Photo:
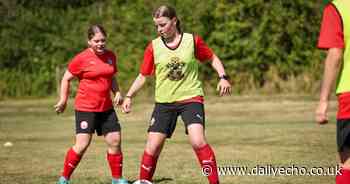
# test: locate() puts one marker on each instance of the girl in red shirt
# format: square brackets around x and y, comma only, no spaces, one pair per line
[95,68]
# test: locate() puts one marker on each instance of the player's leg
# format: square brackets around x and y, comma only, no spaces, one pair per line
[344,176]
[115,157]
[154,145]
[74,155]
[196,135]
[108,126]
[84,129]
[194,119]
[113,141]
[204,152]
[82,142]
[345,158]
[162,125]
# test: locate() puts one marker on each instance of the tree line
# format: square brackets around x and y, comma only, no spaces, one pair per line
[267,46]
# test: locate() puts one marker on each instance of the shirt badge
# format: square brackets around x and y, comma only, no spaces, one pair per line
[176,68]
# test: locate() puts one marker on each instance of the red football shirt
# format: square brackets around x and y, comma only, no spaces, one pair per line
[95,74]
[202,52]
[332,36]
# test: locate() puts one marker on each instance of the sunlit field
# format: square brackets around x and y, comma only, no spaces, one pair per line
[248,131]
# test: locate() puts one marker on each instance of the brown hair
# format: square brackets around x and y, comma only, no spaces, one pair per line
[96,28]
[167,11]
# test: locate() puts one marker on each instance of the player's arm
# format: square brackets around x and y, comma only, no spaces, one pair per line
[64,92]
[147,69]
[331,68]
[224,86]
[204,54]
[118,99]
[115,85]
[136,86]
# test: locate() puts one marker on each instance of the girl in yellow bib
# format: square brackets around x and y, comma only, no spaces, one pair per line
[174,58]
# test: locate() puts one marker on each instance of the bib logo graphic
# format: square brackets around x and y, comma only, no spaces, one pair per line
[175,66]
[83,125]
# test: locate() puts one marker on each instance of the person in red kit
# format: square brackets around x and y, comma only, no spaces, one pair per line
[95,68]
[174,58]
[334,38]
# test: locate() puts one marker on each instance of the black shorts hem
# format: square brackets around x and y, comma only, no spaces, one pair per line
[168,135]
[190,123]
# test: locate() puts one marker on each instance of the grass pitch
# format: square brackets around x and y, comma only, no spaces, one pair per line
[244,131]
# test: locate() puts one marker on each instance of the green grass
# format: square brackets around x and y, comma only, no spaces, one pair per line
[244,131]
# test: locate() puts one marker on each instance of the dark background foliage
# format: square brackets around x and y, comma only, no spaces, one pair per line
[266,45]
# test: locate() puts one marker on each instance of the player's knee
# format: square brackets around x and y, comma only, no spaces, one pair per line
[345,166]
[345,161]
[345,156]
[153,149]
[198,143]
[114,149]
[115,145]
[113,141]
[81,147]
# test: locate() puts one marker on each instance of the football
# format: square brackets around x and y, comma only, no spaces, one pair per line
[142,182]
[8,144]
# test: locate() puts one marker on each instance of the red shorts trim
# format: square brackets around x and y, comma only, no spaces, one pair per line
[198,99]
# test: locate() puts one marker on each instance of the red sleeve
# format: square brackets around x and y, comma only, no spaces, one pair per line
[148,67]
[331,34]
[74,66]
[202,51]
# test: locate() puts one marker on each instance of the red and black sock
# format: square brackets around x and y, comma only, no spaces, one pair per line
[206,158]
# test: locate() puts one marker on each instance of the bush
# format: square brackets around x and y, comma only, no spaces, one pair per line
[256,39]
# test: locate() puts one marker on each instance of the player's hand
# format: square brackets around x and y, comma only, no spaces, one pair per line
[224,87]
[60,106]
[118,99]
[321,116]
[126,106]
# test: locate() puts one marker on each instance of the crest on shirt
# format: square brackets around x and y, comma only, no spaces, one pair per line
[109,61]
[83,125]
[175,67]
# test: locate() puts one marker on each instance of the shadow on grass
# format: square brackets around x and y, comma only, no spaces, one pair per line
[159,180]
